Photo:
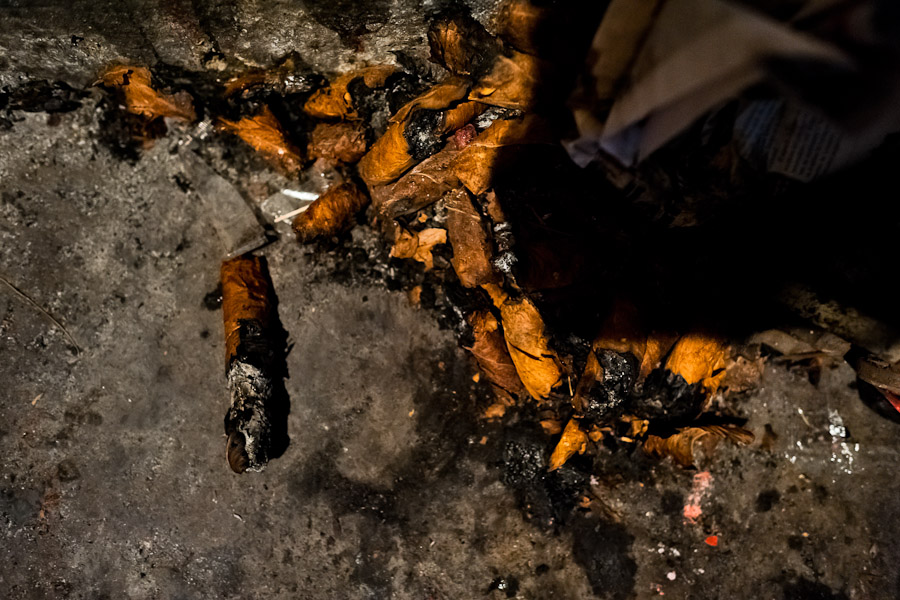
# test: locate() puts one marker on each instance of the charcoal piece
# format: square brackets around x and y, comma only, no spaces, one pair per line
[420,133]
[668,397]
[608,396]
[546,497]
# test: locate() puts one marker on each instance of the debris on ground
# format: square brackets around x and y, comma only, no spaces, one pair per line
[588,280]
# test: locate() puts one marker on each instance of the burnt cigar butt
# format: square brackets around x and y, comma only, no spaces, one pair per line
[331,214]
[248,317]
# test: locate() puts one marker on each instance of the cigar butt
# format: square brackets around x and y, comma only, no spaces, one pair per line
[247,309]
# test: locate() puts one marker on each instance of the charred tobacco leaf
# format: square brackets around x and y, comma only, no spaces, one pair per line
[419,133]
[139,97]
[418,245]
[469,239]
[668,397]
[489,350]
[416,132]
[547,498]
[343,97]
[621,358]
[682,445]
[460,44]
[700,359]
[536,362]
[615,375]
[682,387]
[343,142]
[126,134]
[333,213]
[264,133]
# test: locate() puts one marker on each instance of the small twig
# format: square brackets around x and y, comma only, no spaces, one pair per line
[28,299]
[299,195]
[293,213]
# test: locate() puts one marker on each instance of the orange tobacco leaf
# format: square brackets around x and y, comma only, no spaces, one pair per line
[573,441]
[699,358]
[536,362]
[681,445]
[418,245]
[264,134]
[331,214]
[141,99]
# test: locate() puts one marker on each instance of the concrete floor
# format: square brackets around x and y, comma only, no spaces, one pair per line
[113,482]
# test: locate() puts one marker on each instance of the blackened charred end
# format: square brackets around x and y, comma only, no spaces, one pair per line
[236,452]
[420,133]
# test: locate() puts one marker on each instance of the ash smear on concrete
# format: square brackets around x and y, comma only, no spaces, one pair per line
[112,479]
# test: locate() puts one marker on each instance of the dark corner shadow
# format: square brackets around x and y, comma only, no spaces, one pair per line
[701,241]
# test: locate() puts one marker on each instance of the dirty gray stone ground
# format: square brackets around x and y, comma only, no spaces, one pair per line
[113,482]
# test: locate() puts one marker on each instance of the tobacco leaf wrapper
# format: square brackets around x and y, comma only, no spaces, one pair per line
[343,142]
[506,78]
[331,214]
[515,81]
[425,184]
[537,364]
[471,246]
[248,316]
[682,446]
[140,98]
[264,134]
[495,149]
